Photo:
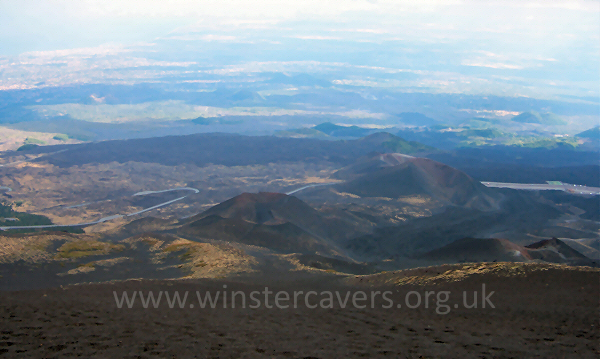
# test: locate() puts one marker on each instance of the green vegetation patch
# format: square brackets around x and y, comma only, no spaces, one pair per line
[485,133]
[190,250]
[549,143]
[61,137]
[27,147]
[22,218]
[522,141]
[33,141]
[53,229]
[541,118]
[40,245]
[11,218]
[90,264]
[85,248]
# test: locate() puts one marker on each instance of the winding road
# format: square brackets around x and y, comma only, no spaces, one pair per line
[109,218]
[311,186]
[575,189]
[570,188]
[31,159]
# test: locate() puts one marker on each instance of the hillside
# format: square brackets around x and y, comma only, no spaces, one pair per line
[539,118]
[272,220]
[386,142]
[519,216]
[501,250]
[556,251]
[479,250]
[52,259]
[227,149]
[342,131]
[540,310]
[416,119]
[395,175]
[592,133]
[301,133]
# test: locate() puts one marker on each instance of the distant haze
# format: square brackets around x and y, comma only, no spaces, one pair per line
[507,48]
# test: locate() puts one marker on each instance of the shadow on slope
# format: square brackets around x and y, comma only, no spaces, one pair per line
[272,220]
[501,250]
[394,175]
[227,149]
[520,213]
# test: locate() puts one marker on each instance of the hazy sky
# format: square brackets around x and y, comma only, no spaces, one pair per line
[557,41]
[536,27]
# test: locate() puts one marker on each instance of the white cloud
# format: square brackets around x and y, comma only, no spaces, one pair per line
[103,50]
[315,37]
[493,65]
[208,37]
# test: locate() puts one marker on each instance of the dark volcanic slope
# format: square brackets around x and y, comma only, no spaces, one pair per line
[272,220]
[480,250]
[501,250]
[557,251]
[226,149]
[264,207]
[519,214]
[269,209]
[496,156]
[540,311]
[394,175]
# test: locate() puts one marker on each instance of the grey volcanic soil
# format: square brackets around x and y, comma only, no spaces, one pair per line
[548,314]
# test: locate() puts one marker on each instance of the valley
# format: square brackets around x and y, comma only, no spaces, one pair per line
[299,179]
[347,207]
